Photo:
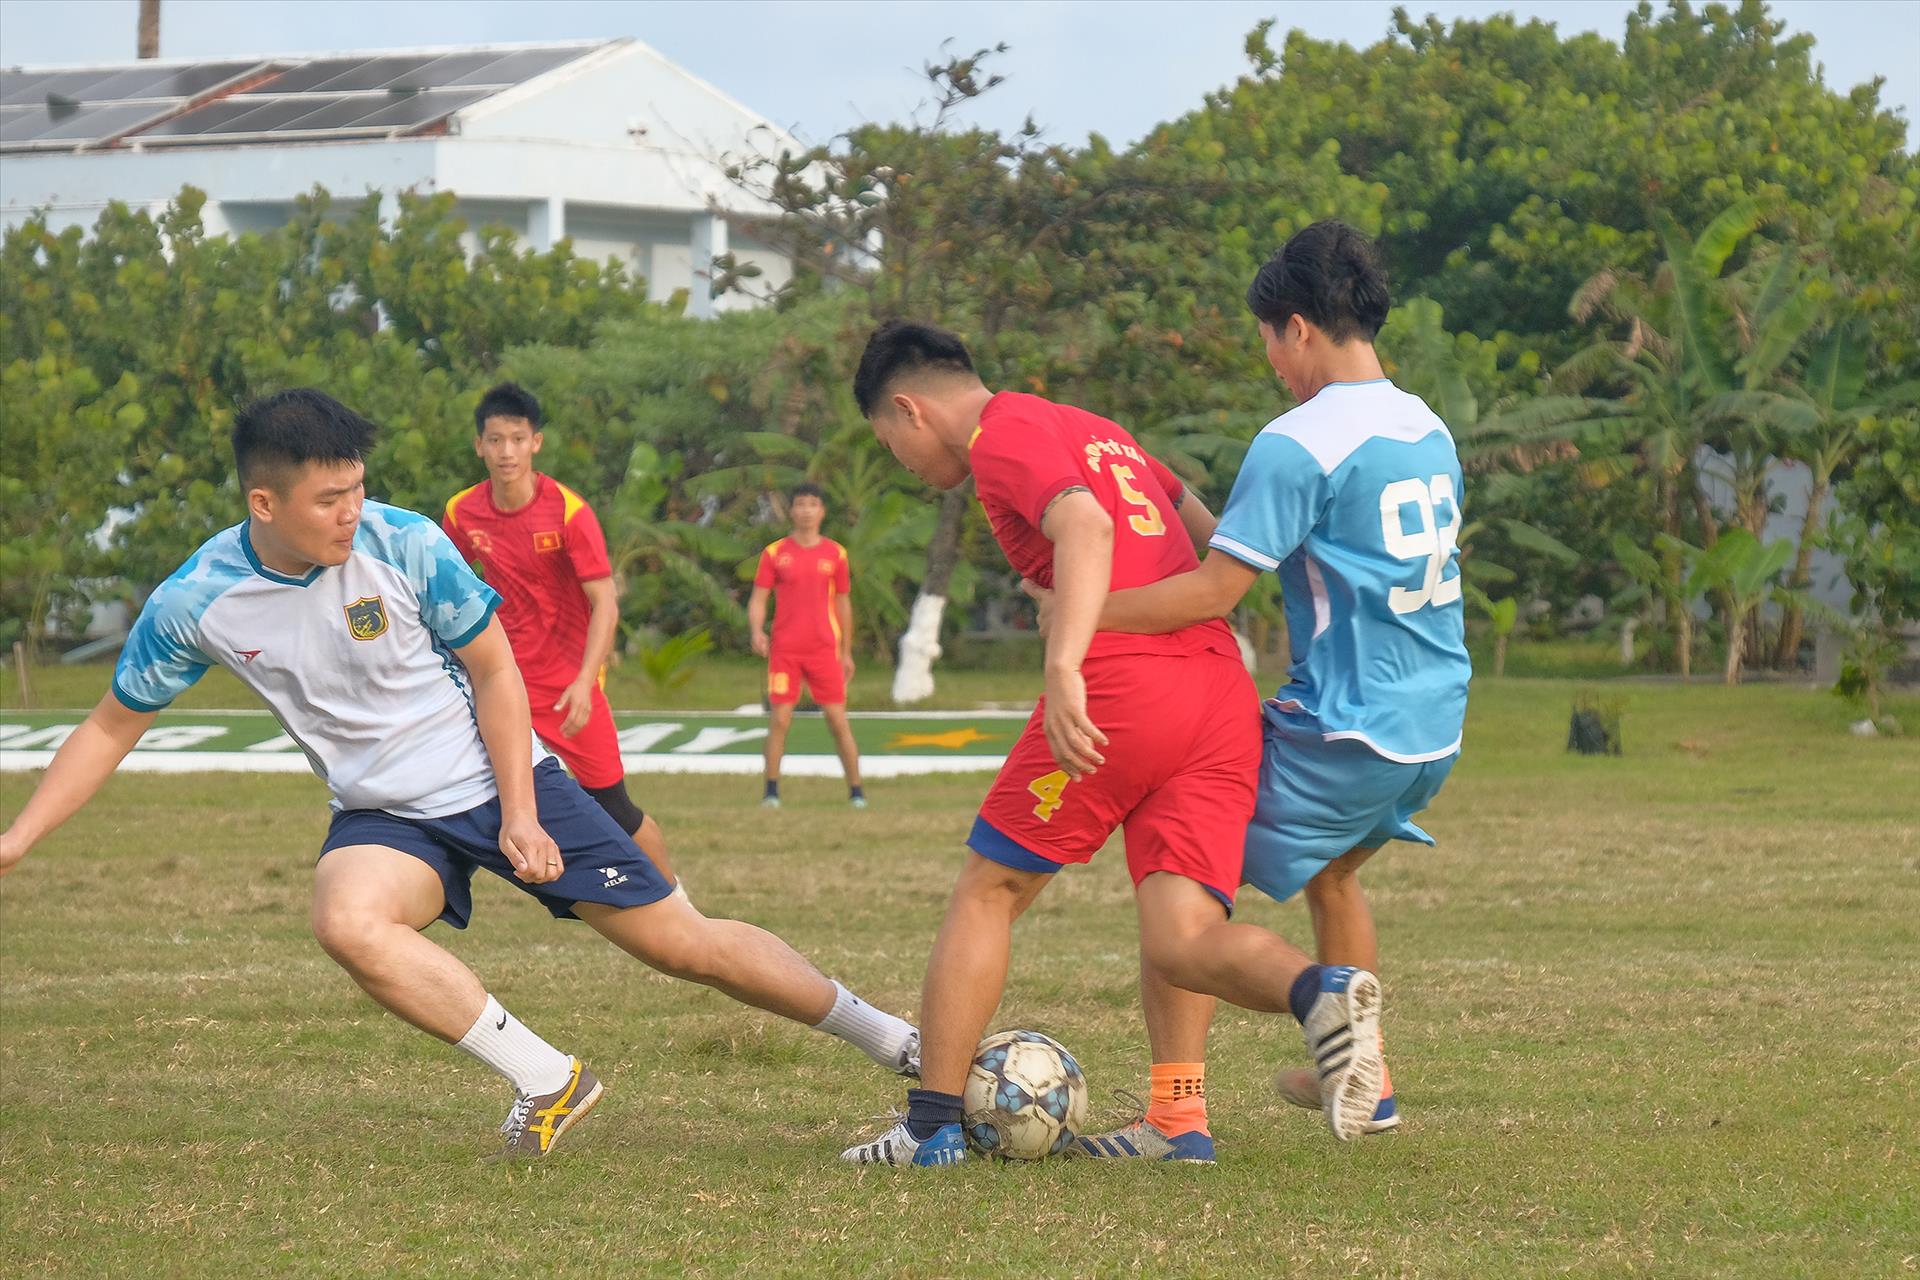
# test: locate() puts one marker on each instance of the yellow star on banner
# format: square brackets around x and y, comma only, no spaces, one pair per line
[952,740]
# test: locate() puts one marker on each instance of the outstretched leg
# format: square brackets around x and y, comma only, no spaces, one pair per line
[754,967]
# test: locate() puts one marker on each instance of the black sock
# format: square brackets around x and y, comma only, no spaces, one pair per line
[928,1109]
[1306,988]
[773,789]
[854,792]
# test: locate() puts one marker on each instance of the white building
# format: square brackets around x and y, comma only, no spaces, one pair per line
[606,142]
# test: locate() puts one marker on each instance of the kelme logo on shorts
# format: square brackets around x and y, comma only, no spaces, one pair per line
[367,618]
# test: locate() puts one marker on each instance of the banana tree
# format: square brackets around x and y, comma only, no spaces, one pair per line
[1746,569]
[1678,576]
[1816,419]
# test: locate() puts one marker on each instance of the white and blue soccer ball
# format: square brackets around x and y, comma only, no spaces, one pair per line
[1026,1098]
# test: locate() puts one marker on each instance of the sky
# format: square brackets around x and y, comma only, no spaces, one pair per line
[1115,67]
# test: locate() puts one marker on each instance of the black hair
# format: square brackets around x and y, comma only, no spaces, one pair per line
[807,489]
[276,434]
[507,400]
[905,346]
[1328,273]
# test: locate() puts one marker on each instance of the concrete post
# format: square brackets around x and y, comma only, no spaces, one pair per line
[546,222]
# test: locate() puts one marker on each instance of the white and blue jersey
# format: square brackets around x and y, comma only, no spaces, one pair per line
[355,660]
[1354,498]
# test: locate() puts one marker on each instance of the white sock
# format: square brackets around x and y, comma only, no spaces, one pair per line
[875,1032]
[505,1043]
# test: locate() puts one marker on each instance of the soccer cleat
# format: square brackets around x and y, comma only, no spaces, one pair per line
[858,802]
[897,1147]
[1343,1039]
[1142,1141]
[1300,1087]
[538,1121]
[909,1060]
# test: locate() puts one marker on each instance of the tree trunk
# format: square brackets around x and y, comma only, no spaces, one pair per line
[920,643]
[1499,656]
[1787,655]
[1736,626]
[1685,633]
[149,37]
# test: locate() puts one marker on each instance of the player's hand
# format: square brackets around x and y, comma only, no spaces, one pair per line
[846,666]
[1073,738]
[534,855]
[12,849]
[1043,605]
[577,702]
[760,643]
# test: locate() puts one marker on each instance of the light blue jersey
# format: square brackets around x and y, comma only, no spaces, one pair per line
[1354,497]
[356,660]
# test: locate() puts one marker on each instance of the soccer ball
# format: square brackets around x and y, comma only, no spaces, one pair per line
[1026,1098]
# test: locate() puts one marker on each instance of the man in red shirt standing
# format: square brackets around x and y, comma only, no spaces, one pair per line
[540,546]
[812,635]
[1158,735]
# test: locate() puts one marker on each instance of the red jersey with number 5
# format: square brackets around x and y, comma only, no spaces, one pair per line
[536,557]
[1028,451]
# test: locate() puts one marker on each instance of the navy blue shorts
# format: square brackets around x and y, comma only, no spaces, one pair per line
[601,863]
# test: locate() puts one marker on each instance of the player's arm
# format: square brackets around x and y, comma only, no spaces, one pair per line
[1198,595]
[1195,519]
[80,767]
[843,613]
[506,727]
[603,615]
[757,617]
[1082,535]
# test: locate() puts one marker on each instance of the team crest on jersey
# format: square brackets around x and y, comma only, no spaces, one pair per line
[481,542]
[367,618]
[547,541]
[825,566]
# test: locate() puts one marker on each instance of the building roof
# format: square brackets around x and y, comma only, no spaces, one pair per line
[268,99]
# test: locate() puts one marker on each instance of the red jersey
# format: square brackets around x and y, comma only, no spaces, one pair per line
[536,558]
[1027,451]
[805,582]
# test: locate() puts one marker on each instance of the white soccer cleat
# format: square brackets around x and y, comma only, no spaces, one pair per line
[1343,1038]
[897,1147]
[1300,1087]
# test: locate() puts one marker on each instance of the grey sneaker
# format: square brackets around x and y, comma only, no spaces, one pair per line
[538,1121]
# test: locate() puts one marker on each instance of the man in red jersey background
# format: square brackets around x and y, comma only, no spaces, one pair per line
[540,546]
[812,642]
[1155,735]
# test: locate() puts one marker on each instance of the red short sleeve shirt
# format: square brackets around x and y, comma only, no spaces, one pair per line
[536,557]
[805,581]
[1028,451]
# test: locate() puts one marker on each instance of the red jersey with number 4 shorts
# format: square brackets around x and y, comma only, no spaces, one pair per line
[536,557]
[805,645]
[1180,712]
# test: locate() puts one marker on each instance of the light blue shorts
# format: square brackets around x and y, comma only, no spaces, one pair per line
[1319,799]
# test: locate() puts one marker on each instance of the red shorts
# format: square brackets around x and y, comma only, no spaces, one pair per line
[819,669]
[1183,762]
[592,755]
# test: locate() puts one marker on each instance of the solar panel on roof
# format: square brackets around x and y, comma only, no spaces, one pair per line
[422,108]
[449,67]
[346,96]
[516,68]
[90,123]
[375,73]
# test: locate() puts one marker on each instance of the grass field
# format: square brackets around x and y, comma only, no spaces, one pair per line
[1649,1016]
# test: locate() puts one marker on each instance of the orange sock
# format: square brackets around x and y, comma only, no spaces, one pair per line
[1177,1098]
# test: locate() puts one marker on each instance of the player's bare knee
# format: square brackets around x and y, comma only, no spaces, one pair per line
[347,933]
